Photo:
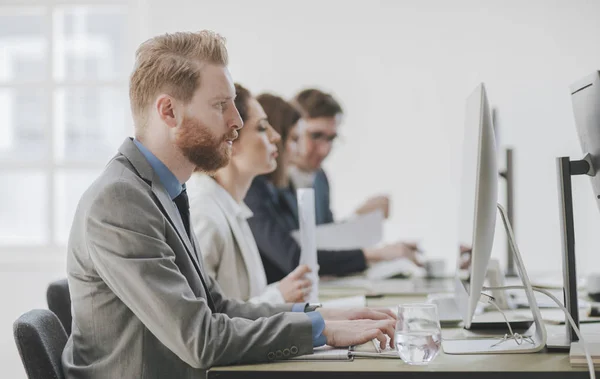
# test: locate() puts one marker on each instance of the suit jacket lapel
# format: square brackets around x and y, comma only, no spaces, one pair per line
[320,201]
[289,197]
[131,152]
[216,193]
[173,214]
[240,240]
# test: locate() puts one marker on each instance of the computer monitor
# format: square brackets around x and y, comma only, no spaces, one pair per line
[478,199]
[477,223]
[585,96]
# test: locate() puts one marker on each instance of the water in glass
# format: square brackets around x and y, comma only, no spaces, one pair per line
[418,333]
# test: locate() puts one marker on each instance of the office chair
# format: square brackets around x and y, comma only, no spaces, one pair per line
[40,339]
[59,302]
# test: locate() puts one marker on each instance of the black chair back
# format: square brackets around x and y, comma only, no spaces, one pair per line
[59,302]
[40,339]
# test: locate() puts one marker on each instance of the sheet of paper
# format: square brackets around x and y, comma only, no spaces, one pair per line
[346,302]
[356,233]
[308,253]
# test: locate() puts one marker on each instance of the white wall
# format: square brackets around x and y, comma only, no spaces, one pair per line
[403,70]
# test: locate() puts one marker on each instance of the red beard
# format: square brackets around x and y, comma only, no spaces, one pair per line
[208,152]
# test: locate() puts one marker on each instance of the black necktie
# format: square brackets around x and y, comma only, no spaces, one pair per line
[183,204]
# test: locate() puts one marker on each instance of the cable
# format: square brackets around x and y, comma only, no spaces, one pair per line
[515,336]
[588,357]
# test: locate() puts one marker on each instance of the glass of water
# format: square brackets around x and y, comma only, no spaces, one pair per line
[418,333]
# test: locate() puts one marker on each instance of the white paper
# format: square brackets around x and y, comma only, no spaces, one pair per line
[357,233]
[346,302]
[308,253]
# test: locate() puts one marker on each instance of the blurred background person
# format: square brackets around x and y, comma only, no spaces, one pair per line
[322,116]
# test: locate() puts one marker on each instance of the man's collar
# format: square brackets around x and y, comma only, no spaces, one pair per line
[167,178]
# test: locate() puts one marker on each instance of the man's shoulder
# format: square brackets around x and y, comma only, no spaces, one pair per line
[118,183]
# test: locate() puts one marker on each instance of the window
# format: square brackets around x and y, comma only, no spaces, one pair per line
[64,110]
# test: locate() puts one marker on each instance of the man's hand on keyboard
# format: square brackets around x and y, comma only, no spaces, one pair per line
[389,345]
[357,314]
[357,332]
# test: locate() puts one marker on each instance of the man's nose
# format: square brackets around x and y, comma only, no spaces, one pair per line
[236,120]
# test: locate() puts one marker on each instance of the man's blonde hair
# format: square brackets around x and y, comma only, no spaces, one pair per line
[171,63]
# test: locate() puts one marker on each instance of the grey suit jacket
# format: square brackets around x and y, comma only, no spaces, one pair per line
[137,287]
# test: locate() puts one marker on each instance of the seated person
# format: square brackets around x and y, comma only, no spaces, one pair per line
[275,212]
[219,215]
[142,304]
[321,115]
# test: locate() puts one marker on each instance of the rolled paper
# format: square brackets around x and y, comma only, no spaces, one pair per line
[308,254]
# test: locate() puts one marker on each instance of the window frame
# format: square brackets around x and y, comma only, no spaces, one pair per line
[50,166]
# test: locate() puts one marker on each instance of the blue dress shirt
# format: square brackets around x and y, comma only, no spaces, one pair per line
[174,188]
[167,178]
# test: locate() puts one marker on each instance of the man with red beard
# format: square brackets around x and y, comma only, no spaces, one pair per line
[142,304]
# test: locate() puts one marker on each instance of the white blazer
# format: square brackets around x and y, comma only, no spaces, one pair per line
[227,245]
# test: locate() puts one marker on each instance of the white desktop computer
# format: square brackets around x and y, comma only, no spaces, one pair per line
[477,221]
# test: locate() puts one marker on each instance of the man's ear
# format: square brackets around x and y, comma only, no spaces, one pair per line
[165,107]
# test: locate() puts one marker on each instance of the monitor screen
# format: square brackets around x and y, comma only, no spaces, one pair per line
[478,199]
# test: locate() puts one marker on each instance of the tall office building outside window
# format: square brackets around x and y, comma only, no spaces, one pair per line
[64,110]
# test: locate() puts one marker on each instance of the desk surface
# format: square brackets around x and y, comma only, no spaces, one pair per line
[541,365]
[530,366]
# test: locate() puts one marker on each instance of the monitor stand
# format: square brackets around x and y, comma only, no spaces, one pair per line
[508,174]
[565,169]
[489,345]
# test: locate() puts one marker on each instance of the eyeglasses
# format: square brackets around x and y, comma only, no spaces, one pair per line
[322,137]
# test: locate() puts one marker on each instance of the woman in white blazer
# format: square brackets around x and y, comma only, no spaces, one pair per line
[219,215]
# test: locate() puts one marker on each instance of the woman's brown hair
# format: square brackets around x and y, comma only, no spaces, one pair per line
[241,101]
[283,117]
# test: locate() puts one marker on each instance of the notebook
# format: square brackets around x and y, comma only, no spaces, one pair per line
[328,353]
[577,356]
